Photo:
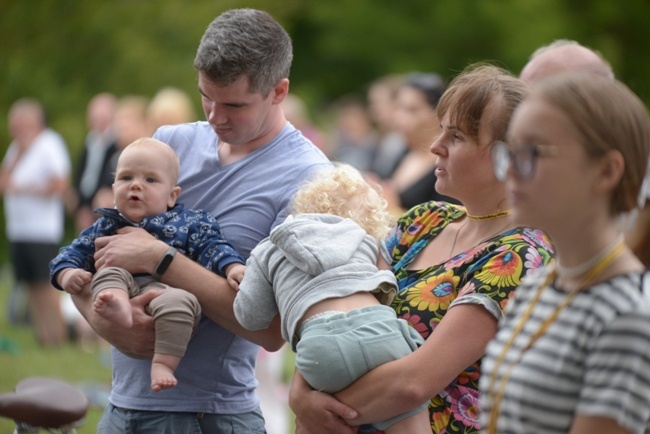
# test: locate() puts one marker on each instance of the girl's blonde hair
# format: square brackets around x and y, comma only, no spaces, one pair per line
[342,190]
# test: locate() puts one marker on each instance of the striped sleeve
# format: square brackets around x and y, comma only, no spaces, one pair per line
[617,373]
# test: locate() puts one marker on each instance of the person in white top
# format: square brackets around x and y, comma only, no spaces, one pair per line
[33,179]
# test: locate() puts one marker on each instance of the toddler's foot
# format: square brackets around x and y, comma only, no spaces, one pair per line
[162,377]
[117,311]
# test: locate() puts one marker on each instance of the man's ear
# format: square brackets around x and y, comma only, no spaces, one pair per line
[173,196]
[280,91]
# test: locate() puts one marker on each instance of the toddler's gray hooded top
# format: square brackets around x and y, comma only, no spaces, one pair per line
[307,259]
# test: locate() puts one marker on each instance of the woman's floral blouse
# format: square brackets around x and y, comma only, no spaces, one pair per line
[486,274]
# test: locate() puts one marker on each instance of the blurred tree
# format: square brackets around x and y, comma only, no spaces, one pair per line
[65,51]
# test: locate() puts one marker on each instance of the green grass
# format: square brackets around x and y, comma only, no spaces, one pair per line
[21,356]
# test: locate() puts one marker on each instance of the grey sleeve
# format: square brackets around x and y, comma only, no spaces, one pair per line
[255,305]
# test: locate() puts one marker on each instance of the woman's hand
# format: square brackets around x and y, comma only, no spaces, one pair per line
[318,412]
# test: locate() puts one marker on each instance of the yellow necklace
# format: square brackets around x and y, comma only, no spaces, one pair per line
[494,215]
[607,257]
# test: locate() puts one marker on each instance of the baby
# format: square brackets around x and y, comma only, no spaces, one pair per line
[318,271]
[145,194]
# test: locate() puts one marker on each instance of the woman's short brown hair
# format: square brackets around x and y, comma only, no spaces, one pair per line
[472,90]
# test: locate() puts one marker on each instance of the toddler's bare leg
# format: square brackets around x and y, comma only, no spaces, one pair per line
[162,371]
[113,304]
[416,424]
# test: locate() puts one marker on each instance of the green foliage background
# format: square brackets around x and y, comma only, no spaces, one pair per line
[65,51]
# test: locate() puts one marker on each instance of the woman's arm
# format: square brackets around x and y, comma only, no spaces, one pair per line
[138,252]
[457,342]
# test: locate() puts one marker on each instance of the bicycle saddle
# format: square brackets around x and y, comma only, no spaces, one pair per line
[44,402]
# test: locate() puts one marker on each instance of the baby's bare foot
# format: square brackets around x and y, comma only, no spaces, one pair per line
[114,309]
[162,377]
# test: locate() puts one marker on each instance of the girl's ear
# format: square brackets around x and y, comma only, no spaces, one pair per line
[612,166]
[173,196]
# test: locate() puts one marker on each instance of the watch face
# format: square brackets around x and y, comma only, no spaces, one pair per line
[165,262]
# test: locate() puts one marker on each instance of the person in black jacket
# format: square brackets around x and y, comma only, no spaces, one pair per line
[99,147]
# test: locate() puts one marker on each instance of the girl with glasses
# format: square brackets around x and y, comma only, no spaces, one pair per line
[456,267]
[572,354]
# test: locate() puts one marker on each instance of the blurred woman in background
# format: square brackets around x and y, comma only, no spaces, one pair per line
[414,178]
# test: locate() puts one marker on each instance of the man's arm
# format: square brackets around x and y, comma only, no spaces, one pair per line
[217,297]
[138,252]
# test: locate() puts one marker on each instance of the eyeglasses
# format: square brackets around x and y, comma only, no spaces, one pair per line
[523,158]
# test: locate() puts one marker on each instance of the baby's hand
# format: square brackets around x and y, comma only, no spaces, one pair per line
[235,274]
[74,280]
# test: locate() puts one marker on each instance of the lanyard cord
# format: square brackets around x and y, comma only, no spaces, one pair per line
[614,252]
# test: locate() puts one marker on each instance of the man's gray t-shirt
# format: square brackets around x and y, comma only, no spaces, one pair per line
[248,198]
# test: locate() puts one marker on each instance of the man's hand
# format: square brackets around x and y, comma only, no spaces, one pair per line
[140,340]
[318,412]
[73,280]
[136,342]
[133,249]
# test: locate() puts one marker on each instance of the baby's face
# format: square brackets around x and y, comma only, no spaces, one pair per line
[144,184]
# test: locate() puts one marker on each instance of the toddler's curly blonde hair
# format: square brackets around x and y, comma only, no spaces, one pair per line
[342,190]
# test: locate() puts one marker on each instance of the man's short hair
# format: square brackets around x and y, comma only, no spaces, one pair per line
[245,42]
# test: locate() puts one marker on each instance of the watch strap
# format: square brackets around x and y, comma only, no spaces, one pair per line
[164,263]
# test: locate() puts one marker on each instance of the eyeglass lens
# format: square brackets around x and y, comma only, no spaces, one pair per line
[500,160]
[522,160]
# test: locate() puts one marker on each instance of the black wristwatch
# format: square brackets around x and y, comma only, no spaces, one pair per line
[164,263]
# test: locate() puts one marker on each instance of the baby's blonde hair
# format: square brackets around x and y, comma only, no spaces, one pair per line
[341,190]
[160,148]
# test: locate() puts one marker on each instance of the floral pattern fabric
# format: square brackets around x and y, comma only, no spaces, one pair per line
[486,275]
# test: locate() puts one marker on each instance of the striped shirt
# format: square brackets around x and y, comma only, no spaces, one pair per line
[594,359]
